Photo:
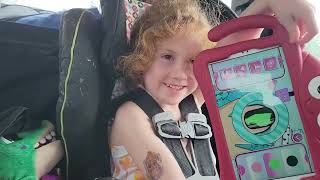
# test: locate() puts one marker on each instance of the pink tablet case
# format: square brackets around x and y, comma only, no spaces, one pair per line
[263,107]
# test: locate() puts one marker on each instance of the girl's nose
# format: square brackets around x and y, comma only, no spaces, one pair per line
[180,70]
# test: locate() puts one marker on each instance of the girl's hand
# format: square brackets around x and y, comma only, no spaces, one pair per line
[297,16]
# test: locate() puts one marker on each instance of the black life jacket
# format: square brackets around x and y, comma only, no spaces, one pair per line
[194,128]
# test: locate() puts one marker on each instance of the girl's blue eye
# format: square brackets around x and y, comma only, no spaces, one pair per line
[168,57]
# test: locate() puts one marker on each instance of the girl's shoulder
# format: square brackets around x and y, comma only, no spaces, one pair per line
[124,101]
[130,122]
[130,112]
[129,109]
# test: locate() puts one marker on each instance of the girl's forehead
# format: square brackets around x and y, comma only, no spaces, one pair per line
[180,45]
[180,38]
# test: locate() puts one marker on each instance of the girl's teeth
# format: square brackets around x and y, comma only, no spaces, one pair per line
[174,86]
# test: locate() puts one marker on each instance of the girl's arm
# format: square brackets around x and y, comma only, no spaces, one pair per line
[133,130]
[297,16]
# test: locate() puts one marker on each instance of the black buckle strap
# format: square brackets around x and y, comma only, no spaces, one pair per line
[170,132]
[195,126]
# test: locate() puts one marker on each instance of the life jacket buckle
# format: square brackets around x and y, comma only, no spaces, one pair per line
[166,126]
[195,126]
[200,128]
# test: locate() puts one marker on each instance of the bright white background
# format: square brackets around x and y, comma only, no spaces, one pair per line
[55,5]
[59,5]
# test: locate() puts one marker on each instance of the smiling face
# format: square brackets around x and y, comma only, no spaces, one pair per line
[170,77]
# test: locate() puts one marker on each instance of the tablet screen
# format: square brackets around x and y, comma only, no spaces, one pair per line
[259,114]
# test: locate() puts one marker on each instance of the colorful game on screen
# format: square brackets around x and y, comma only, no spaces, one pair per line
[265,135]
[263,98]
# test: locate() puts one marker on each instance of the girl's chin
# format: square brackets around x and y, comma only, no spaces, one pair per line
[171,96]
[171,101]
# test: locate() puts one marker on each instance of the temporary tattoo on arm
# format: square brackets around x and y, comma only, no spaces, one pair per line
[153,165]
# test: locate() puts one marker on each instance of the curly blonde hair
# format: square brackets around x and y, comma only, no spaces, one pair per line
[162,20]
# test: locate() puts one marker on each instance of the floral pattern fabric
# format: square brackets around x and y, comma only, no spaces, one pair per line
[133,10]
[123,166]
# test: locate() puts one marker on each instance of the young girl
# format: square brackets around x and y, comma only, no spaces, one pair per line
[166,39]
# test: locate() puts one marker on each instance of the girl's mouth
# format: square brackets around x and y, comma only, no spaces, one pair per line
[175,87]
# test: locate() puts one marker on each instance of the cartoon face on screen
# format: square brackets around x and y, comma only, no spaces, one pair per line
[259,114]
[259,118]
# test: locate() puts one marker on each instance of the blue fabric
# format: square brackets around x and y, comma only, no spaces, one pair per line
[49,20]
